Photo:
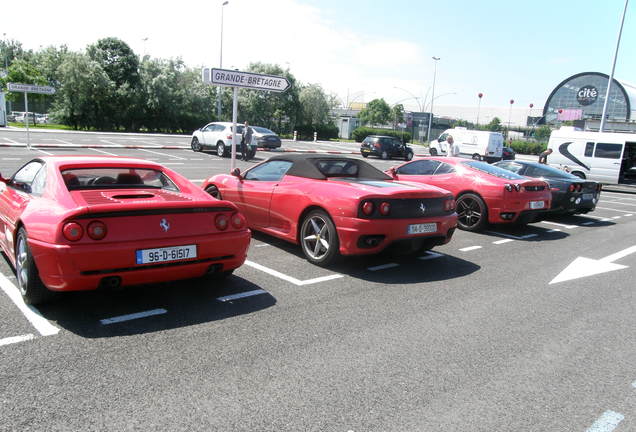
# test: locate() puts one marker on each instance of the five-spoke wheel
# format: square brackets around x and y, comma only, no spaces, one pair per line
[472,213]
[319,239]
[220,149]
[31,287]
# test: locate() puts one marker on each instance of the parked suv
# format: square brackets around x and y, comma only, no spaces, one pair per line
[385,147]
[217,136]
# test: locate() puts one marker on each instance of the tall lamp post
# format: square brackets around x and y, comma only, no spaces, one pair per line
[430,120]
[510,114]
[479,95]
[218,90]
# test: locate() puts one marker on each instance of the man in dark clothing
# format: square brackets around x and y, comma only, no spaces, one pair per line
[246,140]
[543,157]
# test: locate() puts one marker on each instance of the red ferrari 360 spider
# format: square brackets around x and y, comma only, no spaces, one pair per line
[484,193]
[72,223]
[337,205]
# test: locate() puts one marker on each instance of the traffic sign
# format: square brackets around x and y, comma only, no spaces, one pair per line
[232,78]
[30,88]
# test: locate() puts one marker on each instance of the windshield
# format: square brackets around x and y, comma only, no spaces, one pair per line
[263,130]
[492,170]
[116,178]
[540,170]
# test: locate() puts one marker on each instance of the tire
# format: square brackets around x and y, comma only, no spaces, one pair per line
[220,149]
[472,212]
[29,283]
[408,156]
[196,145]
[213,191]
[364,155]
[433,151]
[319,238]
[476,157]
[579,174]
[384,155]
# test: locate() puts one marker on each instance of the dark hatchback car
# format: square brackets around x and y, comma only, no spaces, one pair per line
[266,138]
[385,147]
[508,153]
[570,194]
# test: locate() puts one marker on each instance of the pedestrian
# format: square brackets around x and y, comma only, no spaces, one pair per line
[453,149]
[246,140]
[543,157]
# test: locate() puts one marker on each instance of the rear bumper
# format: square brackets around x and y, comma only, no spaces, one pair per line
[82,267]
[510,211]
[574,204]
[353,231]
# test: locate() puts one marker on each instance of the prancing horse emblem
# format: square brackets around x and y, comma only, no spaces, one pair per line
[422,207]
[164,224]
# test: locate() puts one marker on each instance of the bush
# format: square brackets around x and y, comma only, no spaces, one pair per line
[531,148]
[361,133]
[325,131]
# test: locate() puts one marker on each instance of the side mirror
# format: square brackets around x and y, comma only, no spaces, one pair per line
[393,172]
[236,172]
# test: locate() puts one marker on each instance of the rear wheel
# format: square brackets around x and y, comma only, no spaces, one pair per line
[196,145]
[29,283]
[319,239]
[220,149]
[472,213]
[579,174]
[384,154]
[214,191]
[433,152]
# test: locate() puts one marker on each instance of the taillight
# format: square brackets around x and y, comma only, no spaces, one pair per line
[510,187]
[238,220]
[221,221]
[229,137]
[571,187]
[449,205]
[517,187]
[579,187]
[96,230]
[72,231]
[385,208]
[367,208]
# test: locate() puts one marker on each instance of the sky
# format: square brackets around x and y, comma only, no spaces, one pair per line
[361,50]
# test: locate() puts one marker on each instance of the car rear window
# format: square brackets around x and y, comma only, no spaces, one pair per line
[263,130]
[116,178]
[492,170]
[338,168]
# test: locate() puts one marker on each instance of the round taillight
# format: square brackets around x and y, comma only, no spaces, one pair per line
[385,208]
[72,231]
[96,230]
[508,187]
[579,187]
[449,204]
[238,220]
[367,208]
[571,187]
[221,222]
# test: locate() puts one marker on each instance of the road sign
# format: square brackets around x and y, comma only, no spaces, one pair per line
[30,88]
[232,78]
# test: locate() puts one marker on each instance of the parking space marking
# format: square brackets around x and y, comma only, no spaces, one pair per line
[132,316]
[628,215]
[430,255]
[241,295]
[172,163]
[498,242]
[554,230]
[616,210]
[559,224]
[16,339]
[111,143]
[164,154]
[11,141]
[634,384]
[607,422]
[617,202]
[589,223]
[45,152]
[616,217]
[41,324]
[7,159]
[383,267]
[262,245]
[197,159]
[58,140]
[102,151]
[291,279]
[527,236]
[470,248]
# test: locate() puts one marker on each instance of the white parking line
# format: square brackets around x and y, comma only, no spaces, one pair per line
[601,218]
[172,163]
[41,324]
[628,214]
[589,223]
[111,143]
[607,422]
[45,152]
[102,151]
[558,224]
[616,210]
[527,236]
[634,384]
[470,248]
[164,154]
[430,255]
[616,217]
[58,140]
[262,245]
[11,158]
[291,279]
[241,295]
[11,141]
[383,266]
[132,316]
[554,230]
[498,242]
[617,202]
[16,339]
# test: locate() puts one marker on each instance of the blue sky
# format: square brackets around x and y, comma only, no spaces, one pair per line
[360,50]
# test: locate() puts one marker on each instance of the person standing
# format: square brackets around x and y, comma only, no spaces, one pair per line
[246,140]
[453,149]
[543,157]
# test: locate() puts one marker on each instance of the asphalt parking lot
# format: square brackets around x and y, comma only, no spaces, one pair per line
[512,329]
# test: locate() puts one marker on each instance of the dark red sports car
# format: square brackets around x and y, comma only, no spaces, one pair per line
[72,223]
[484,193]
[336,205]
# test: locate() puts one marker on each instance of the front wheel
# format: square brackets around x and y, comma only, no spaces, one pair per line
[408,156]
[196,145]
[29,283]
[319,239]
[364,155]
[384,155]
[472,213]
[476,157]
[433,152]
[220,149]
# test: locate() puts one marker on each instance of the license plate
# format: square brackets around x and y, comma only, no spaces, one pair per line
[537,204]
[174,253]
[588,196]
[422,228]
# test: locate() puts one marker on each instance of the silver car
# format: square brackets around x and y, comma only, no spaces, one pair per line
[266,138]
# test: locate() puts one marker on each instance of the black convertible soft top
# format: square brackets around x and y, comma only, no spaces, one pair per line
[322,166]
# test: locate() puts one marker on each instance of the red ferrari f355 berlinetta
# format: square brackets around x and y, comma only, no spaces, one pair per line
[335,206]
[71,223]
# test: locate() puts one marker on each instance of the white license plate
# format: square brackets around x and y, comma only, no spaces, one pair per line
[158,255]
[588,196]
[422,228]
[537,204]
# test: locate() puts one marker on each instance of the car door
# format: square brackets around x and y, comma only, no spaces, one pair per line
[15,195]
[254,192]
[607,162]
[396,148]
[206,135]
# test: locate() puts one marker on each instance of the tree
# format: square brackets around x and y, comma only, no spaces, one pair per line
[315,105]
[21,71]
[117,59]
[10,51]
[494,125]
[397,115]
[542,133]
[377,112]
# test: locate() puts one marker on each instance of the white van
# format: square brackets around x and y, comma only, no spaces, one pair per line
[479,145]
[605,157]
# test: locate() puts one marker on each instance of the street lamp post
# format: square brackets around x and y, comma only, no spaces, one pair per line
[479,95]
[218,90]
[430,120]
[510,114]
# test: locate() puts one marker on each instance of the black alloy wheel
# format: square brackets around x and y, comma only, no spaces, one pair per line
[196,145]
[472,213]
[213,191]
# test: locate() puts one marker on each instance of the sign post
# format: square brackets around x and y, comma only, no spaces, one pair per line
[236,79]
[29,88]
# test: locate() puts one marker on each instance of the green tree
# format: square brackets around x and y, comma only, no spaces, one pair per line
[397,114]
[22,71]
[10,50]
[377,112]
[494,125]
[542,133]
[315,105]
